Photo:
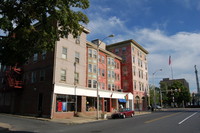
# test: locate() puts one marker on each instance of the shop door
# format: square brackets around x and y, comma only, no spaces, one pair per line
[105,106]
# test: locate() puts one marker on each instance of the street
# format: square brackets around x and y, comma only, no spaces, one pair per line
[170,121]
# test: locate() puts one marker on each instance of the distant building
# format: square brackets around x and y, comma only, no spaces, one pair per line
[169,82]
[134,70]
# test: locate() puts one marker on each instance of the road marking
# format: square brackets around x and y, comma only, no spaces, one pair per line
[187,118]
[161,118]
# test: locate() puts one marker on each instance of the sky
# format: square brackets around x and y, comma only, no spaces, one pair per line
[162,27]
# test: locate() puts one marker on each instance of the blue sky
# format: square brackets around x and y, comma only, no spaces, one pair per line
[163,27]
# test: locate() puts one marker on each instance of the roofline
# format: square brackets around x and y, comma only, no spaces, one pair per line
[103,50]
[127,41]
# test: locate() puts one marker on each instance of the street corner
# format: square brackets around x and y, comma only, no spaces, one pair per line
[4,127]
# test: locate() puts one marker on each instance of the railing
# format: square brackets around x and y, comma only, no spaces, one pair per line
[13,77]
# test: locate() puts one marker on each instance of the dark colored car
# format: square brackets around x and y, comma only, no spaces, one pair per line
[123,113]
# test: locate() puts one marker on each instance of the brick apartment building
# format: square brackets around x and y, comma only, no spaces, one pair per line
[134,69]
[58,83]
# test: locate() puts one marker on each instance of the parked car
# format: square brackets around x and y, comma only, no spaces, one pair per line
[158,107]
[123,113]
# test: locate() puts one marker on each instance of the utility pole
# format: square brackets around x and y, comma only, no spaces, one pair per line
[197,79]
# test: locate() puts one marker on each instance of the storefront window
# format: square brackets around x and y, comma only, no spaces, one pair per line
[65,103]
[90,104]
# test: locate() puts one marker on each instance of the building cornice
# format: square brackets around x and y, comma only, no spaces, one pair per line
[129,41]
[92,45]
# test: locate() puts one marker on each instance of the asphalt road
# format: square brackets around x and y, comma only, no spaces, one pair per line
[172,121]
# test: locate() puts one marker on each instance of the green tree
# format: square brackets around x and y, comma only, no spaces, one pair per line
[179,92]
[32,26]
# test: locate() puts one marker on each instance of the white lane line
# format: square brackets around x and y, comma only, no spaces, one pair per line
[187,118]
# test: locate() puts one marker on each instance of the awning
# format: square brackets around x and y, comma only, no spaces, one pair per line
[122,100]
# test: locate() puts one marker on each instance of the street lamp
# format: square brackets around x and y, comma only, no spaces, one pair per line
[98,44]
[154,89]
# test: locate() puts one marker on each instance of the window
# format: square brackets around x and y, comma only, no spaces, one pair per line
[65,103]
[113,62]
[124,70]
[103,59]
[42,75]
[78,40]
[94,84]
[64,53]
[146,66]
[103,72]
[90,83]
[103,86]
[123,49]
[124,59]
[146,76]
[63,75]
[113,74]
[94,68]
[132,49]
[133,59]
[95,54]
[135,84]
[90,53]
[109,74]
[44,53]
[77,57]
[99,72]
[33,77]
[116,50]
[90,68]
[109,86]
[76,78]
[108,61]
[113,87]
[35,57]
[134,71]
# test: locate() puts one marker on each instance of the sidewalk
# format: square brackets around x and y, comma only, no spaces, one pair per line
[88,119]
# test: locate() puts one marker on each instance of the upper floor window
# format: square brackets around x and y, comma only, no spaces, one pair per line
[77,57]
[103,72]
[64,53]
[35,57]
[94,68]
[133,59]
[109,74]
[135,84]
[63,75]
[33,77]
[113,74]
[78,40]
[44,53]
[132,49]
[76,78]
[89,67]
[42,75]
[94,84]
[116,50]
[103,59]
[113,62]
[95,54]
[123,49]
[90,83]
[124,59]
[90,52]
[109,61]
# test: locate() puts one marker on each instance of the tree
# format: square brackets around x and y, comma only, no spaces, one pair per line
[179,92]
[31,26]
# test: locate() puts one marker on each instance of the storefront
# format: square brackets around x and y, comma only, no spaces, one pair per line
[65,101]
